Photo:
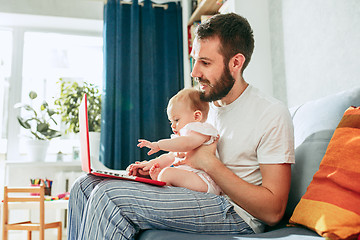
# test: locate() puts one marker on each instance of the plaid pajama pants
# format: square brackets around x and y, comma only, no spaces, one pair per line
[116,209]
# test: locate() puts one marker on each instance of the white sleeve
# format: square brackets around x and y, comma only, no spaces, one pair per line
[277,141]
[202,128]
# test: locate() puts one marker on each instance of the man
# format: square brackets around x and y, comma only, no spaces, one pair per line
[253,169]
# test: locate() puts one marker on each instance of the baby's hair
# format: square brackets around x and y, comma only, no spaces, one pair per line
[193,97]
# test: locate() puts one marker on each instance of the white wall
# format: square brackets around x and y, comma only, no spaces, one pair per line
[259,70]
[89,9]
[277,50]
[321,48]
[305,49]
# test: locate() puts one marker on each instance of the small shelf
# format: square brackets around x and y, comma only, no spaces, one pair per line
[43,164]
[206,7]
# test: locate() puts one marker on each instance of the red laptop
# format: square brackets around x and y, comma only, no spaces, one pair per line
[92,164]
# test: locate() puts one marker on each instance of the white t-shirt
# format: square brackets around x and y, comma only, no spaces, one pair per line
[200,127]
[254,129]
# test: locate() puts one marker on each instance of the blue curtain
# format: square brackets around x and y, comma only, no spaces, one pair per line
[143,69]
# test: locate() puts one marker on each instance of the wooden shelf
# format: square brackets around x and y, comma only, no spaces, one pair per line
[206,7]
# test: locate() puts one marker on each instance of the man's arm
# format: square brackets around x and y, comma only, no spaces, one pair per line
[266,202]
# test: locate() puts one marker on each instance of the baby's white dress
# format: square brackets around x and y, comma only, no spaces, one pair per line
[208,130]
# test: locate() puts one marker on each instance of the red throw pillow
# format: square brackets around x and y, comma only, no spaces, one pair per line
[331,204]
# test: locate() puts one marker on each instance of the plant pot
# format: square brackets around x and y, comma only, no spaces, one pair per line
[37,149]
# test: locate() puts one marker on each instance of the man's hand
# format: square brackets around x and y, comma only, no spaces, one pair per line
[140,169]
[154,146]
[200,157]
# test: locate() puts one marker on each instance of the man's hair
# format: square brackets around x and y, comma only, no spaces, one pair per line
[234,32]
[191,96]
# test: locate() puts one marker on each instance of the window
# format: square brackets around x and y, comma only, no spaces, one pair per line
[74,57]
[33,58]
[5,67]
[59,56]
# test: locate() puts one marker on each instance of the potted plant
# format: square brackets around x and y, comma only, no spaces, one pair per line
[71,94]
[37,123]
[68,104]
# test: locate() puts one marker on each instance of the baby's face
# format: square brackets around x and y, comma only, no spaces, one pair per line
[179,115]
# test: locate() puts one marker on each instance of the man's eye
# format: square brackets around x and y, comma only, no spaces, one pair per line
[205,63]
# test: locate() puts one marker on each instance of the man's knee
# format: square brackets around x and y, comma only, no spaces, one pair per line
[76,186]
[84,185]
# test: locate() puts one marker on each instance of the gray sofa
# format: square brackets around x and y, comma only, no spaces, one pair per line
[314,124]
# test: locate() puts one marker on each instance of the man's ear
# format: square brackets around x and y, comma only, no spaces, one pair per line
[198,116]
[236,63]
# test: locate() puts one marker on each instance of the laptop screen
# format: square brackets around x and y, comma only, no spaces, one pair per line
[84,136]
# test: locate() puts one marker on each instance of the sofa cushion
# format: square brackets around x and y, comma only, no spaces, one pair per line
[331,203]
[322,114]
[314,124]
[308,157]
[290,233]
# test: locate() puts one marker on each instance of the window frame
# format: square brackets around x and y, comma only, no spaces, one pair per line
[19,24]
[4,108]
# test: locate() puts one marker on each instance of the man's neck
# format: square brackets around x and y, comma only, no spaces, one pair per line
[236,91]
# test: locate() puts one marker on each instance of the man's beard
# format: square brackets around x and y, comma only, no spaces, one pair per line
[220,89]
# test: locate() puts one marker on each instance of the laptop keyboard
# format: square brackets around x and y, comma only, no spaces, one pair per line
[115,174]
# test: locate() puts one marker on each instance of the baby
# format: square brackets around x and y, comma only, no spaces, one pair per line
[187,115]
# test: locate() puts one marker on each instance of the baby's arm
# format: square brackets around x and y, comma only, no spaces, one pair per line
[164,160]
[178,144]
[154,146]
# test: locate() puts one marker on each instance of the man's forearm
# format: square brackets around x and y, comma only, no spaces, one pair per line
[266,203]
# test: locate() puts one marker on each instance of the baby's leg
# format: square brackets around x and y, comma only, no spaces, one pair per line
[182,178]
[154,171]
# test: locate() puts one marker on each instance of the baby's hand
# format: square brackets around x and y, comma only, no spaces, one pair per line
[139,168]
[180,154]
[179,161]
[154,146]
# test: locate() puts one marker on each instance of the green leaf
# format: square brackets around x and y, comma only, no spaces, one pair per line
[69,101]
[51,112]
[38,123]
[42,127]
[27,107]
[37,136]
[23,123]
[32,95]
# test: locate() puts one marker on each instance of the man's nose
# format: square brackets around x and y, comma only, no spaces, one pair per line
[195,71]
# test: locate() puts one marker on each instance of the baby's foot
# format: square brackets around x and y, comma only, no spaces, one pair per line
[154,171]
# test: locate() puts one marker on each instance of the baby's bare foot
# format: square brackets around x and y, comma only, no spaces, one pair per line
[154,171]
